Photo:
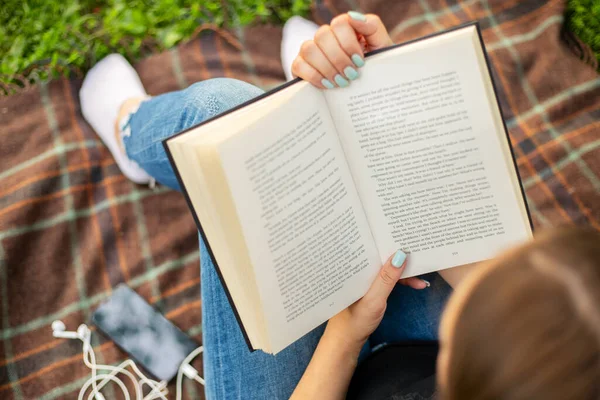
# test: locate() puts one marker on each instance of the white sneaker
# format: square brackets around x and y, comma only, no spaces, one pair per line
[105,88]
[296,31]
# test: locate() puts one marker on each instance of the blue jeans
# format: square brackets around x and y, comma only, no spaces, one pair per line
[230,369]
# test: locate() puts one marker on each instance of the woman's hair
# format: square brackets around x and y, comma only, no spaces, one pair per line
[529,328]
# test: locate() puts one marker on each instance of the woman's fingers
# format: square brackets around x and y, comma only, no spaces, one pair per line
[346,37]
[415,283]
[304,70]
[386,280]
[313,55]
[371,28]
[334,56]
[331,48]
[335,53]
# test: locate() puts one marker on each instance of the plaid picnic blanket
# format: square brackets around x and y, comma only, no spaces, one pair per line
[72,227]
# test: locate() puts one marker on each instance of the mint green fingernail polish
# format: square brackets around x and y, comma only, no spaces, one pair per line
[340,81]
[427,283]
[357,16]
[358,60]
[398,259]
[327,83]
[350,73]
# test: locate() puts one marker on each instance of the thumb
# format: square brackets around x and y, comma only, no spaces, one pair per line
[387,278]
[371,28]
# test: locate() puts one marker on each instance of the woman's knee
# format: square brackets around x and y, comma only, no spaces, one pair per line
[208,98]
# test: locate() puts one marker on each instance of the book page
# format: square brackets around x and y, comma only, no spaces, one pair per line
[308,237]
[199,166]
[428,154]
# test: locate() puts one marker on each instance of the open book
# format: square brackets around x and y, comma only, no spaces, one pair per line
[302,193]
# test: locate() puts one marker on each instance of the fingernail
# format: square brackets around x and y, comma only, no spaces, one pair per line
[427,284]
[358,60]
[357,16]
[398,259]
[350,73]
[327,83]
[340,81]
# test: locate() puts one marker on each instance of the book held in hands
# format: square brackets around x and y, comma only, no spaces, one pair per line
[301,194]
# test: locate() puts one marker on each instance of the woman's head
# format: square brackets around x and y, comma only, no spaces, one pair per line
[527,325]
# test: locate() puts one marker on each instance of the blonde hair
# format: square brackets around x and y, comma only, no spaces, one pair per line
[529,326]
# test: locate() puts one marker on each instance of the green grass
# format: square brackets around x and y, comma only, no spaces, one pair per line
[40,39]
[583,19]
[46,38]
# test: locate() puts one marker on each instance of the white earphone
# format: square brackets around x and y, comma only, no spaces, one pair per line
[158,389]
[59,331]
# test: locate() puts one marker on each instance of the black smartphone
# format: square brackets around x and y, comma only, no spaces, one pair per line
[151,340]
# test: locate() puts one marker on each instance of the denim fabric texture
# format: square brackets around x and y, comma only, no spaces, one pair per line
[230,369]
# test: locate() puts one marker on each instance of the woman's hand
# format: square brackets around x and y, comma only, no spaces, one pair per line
[333,57]
[330,370]
[354,325]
